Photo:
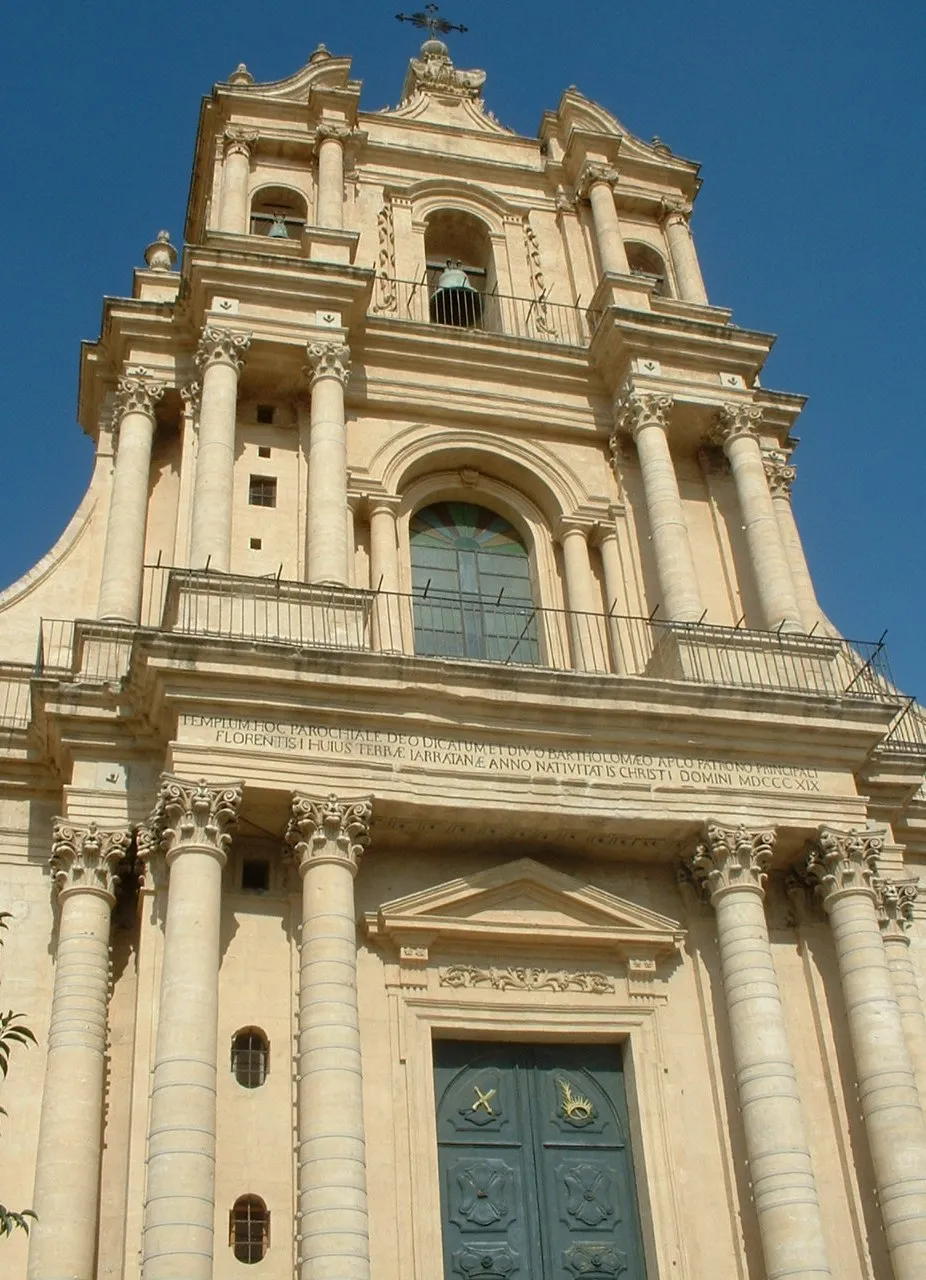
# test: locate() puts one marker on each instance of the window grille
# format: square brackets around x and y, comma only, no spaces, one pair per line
[249,1229]
[262,491]
[250,1057]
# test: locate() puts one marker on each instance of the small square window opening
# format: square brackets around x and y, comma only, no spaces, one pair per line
[262,491]
[263,451]
[265,414]
[255,544]
[255,875]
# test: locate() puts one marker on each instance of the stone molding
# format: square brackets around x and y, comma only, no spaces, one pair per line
[239,141]
[841,862]
[728,858]
[735,420]
[895,900]
[779,473]
[329,830]
[328,360]
[634,410]
[592,173]
[136,392]
[222,346]
[192,815]
[85,859]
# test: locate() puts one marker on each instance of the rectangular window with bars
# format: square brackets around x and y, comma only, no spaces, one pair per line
[262,491]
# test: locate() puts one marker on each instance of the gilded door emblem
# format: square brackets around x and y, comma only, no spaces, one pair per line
[484,1100]
[573,1106]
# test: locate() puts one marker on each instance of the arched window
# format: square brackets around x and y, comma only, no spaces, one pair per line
[460,269]
[250,1057]
[278,212]
[644,260]
[471,585]
[249,1229]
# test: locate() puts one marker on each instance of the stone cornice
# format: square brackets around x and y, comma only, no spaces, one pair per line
[84,859]
[329,830]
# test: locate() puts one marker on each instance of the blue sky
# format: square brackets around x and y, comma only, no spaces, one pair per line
[807,118]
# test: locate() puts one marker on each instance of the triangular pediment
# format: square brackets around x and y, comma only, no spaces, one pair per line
[524,901]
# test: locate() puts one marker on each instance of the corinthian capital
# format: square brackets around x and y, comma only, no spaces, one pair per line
[222,346]
[136,392]
[193,815]
[634,410]
[731,858]
[328,360]
[735,420]
[337,129]
[239,141]
[85,859]
[330,830]
[674,211]
[895,899]
[839,862]
[592,173]
[779,473]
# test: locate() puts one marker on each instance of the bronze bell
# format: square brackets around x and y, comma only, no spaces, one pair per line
[455,301]
[278,230]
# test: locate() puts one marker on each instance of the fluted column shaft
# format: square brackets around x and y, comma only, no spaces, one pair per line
[684,258]
[646,417]
[124,549]
[842,865]
[583,601]
[597,182]
[220,357]
[329,202]
[780,476]
[67,1178]
[737,431]
[333,1230]
[895,902]
[384,575]
[190,828]
[731,864]
[328,513]
[236,172]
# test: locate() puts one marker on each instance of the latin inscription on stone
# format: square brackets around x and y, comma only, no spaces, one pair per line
[468,755]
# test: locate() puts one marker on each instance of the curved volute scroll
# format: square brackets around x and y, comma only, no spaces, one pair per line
[841,862]
[329,830]
[732,858]
[87,858]
[194,815]
[222,346]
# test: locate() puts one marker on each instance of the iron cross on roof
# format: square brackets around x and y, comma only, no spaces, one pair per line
[431,20]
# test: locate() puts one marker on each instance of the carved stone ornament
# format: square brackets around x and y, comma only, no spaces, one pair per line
[634,410]
[86,858]
[674,211]
[137,392]
[222,346]
[191,395]
[151,861]
[526,978]
[160,254]
[731,857]
[328,360]
[330,830]
[592,173]
[193,815]
[841,862]
[339,130]
[541,311]
[433,72]
[896,899]
[779,473]
[735,420]
[239,141]
[386,301]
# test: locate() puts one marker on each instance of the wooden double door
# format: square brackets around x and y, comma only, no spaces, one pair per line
[536,1178]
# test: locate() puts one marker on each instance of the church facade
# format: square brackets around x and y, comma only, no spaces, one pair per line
[444,837]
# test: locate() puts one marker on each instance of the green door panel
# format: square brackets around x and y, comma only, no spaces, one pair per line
[535,1167]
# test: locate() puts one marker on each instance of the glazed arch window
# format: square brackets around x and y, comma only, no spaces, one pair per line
[249,1229]
[644,260]
[278,212]
[250,1057]
[471,585]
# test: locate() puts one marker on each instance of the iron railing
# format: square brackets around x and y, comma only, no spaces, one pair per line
[15,696]
[493,313]
[908,731]
[299,616]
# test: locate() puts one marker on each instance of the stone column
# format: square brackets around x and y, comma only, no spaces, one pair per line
[597,184]
[220,356]
[646,417]
[780,476]
[66,1199]
[384,574]
[895,915]
[328,514]
[236,173]
[124,549]
[190,827]
[586,621]
[606,537]
[329,199]
[842,866]
[328,838]
[736,430]
[682,252]
[731,864]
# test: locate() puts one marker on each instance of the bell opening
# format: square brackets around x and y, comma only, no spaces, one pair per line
[454,300]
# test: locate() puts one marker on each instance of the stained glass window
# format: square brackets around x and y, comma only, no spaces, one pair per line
[472,588]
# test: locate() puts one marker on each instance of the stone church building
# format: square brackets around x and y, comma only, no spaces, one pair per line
[442,835]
